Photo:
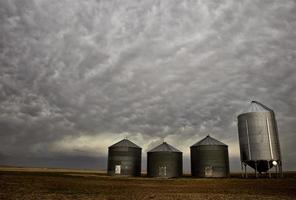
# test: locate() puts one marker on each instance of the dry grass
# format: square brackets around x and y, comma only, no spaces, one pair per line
[89,185]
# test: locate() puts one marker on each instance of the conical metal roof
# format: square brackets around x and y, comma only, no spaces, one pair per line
[256,106]
[209,141]
[164,147]
[125,143]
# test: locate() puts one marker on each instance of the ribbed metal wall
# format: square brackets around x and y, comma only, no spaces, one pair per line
[164,164]
[209,160]
[128,158]
[164,161]
[258,139]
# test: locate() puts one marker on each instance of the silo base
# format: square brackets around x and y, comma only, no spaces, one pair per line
[262,168]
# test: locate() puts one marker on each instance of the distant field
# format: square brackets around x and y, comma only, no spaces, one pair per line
[43,183]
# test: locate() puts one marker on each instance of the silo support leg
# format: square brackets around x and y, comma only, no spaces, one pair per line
[256,175]
[246,174]
[281,169]
[269,171]
[242,170]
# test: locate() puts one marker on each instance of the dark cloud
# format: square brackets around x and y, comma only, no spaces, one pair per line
[76,77]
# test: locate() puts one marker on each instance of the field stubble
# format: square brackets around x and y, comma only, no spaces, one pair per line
[90,185]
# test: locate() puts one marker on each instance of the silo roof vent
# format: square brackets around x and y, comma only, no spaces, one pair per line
[164,147]
[256,106]
[209,141]
[125,143]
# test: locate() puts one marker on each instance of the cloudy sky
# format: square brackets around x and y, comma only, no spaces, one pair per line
[78,76]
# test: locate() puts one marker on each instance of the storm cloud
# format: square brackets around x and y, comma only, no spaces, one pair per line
[78,76]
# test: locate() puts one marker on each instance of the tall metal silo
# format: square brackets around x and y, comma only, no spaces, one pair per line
[258,139]
[164,161]
[209,158]
[124,159]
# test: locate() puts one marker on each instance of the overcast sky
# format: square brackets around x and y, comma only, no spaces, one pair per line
[78,76]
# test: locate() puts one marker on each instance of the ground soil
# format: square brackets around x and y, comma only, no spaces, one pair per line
[28,184]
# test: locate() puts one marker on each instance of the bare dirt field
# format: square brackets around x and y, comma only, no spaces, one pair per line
[33,183]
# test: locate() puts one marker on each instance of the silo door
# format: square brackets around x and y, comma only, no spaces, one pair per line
[117,169]
[208,171]
[162,171]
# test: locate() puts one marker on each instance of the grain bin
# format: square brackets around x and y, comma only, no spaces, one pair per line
[258,138]
[209,158]
[124,159]
[164,161]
